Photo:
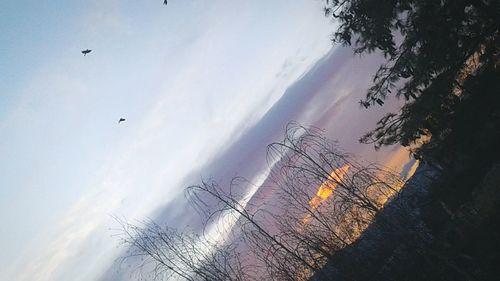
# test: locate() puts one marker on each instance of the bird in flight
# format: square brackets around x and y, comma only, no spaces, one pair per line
[165,2]
[85,52]
[121,120]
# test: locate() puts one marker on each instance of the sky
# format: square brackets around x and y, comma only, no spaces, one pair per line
[204,87]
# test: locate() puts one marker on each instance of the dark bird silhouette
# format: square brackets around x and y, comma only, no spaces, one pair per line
[380,102]
[364,104]
[121,120]
[85,52]
[165,2]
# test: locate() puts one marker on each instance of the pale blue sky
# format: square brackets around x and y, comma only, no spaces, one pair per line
[190,78]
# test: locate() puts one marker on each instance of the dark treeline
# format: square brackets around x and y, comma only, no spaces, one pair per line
[434,242]
[437,52]
[443,60]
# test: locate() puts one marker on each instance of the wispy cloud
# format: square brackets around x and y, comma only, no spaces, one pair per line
[188,88]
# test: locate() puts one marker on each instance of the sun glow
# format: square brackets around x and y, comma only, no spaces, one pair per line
[326,189]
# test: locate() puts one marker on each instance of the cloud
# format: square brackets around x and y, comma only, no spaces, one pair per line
[325,96]
[203,96]
[184,103]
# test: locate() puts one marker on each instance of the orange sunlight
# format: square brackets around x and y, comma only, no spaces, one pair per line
[325,190]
